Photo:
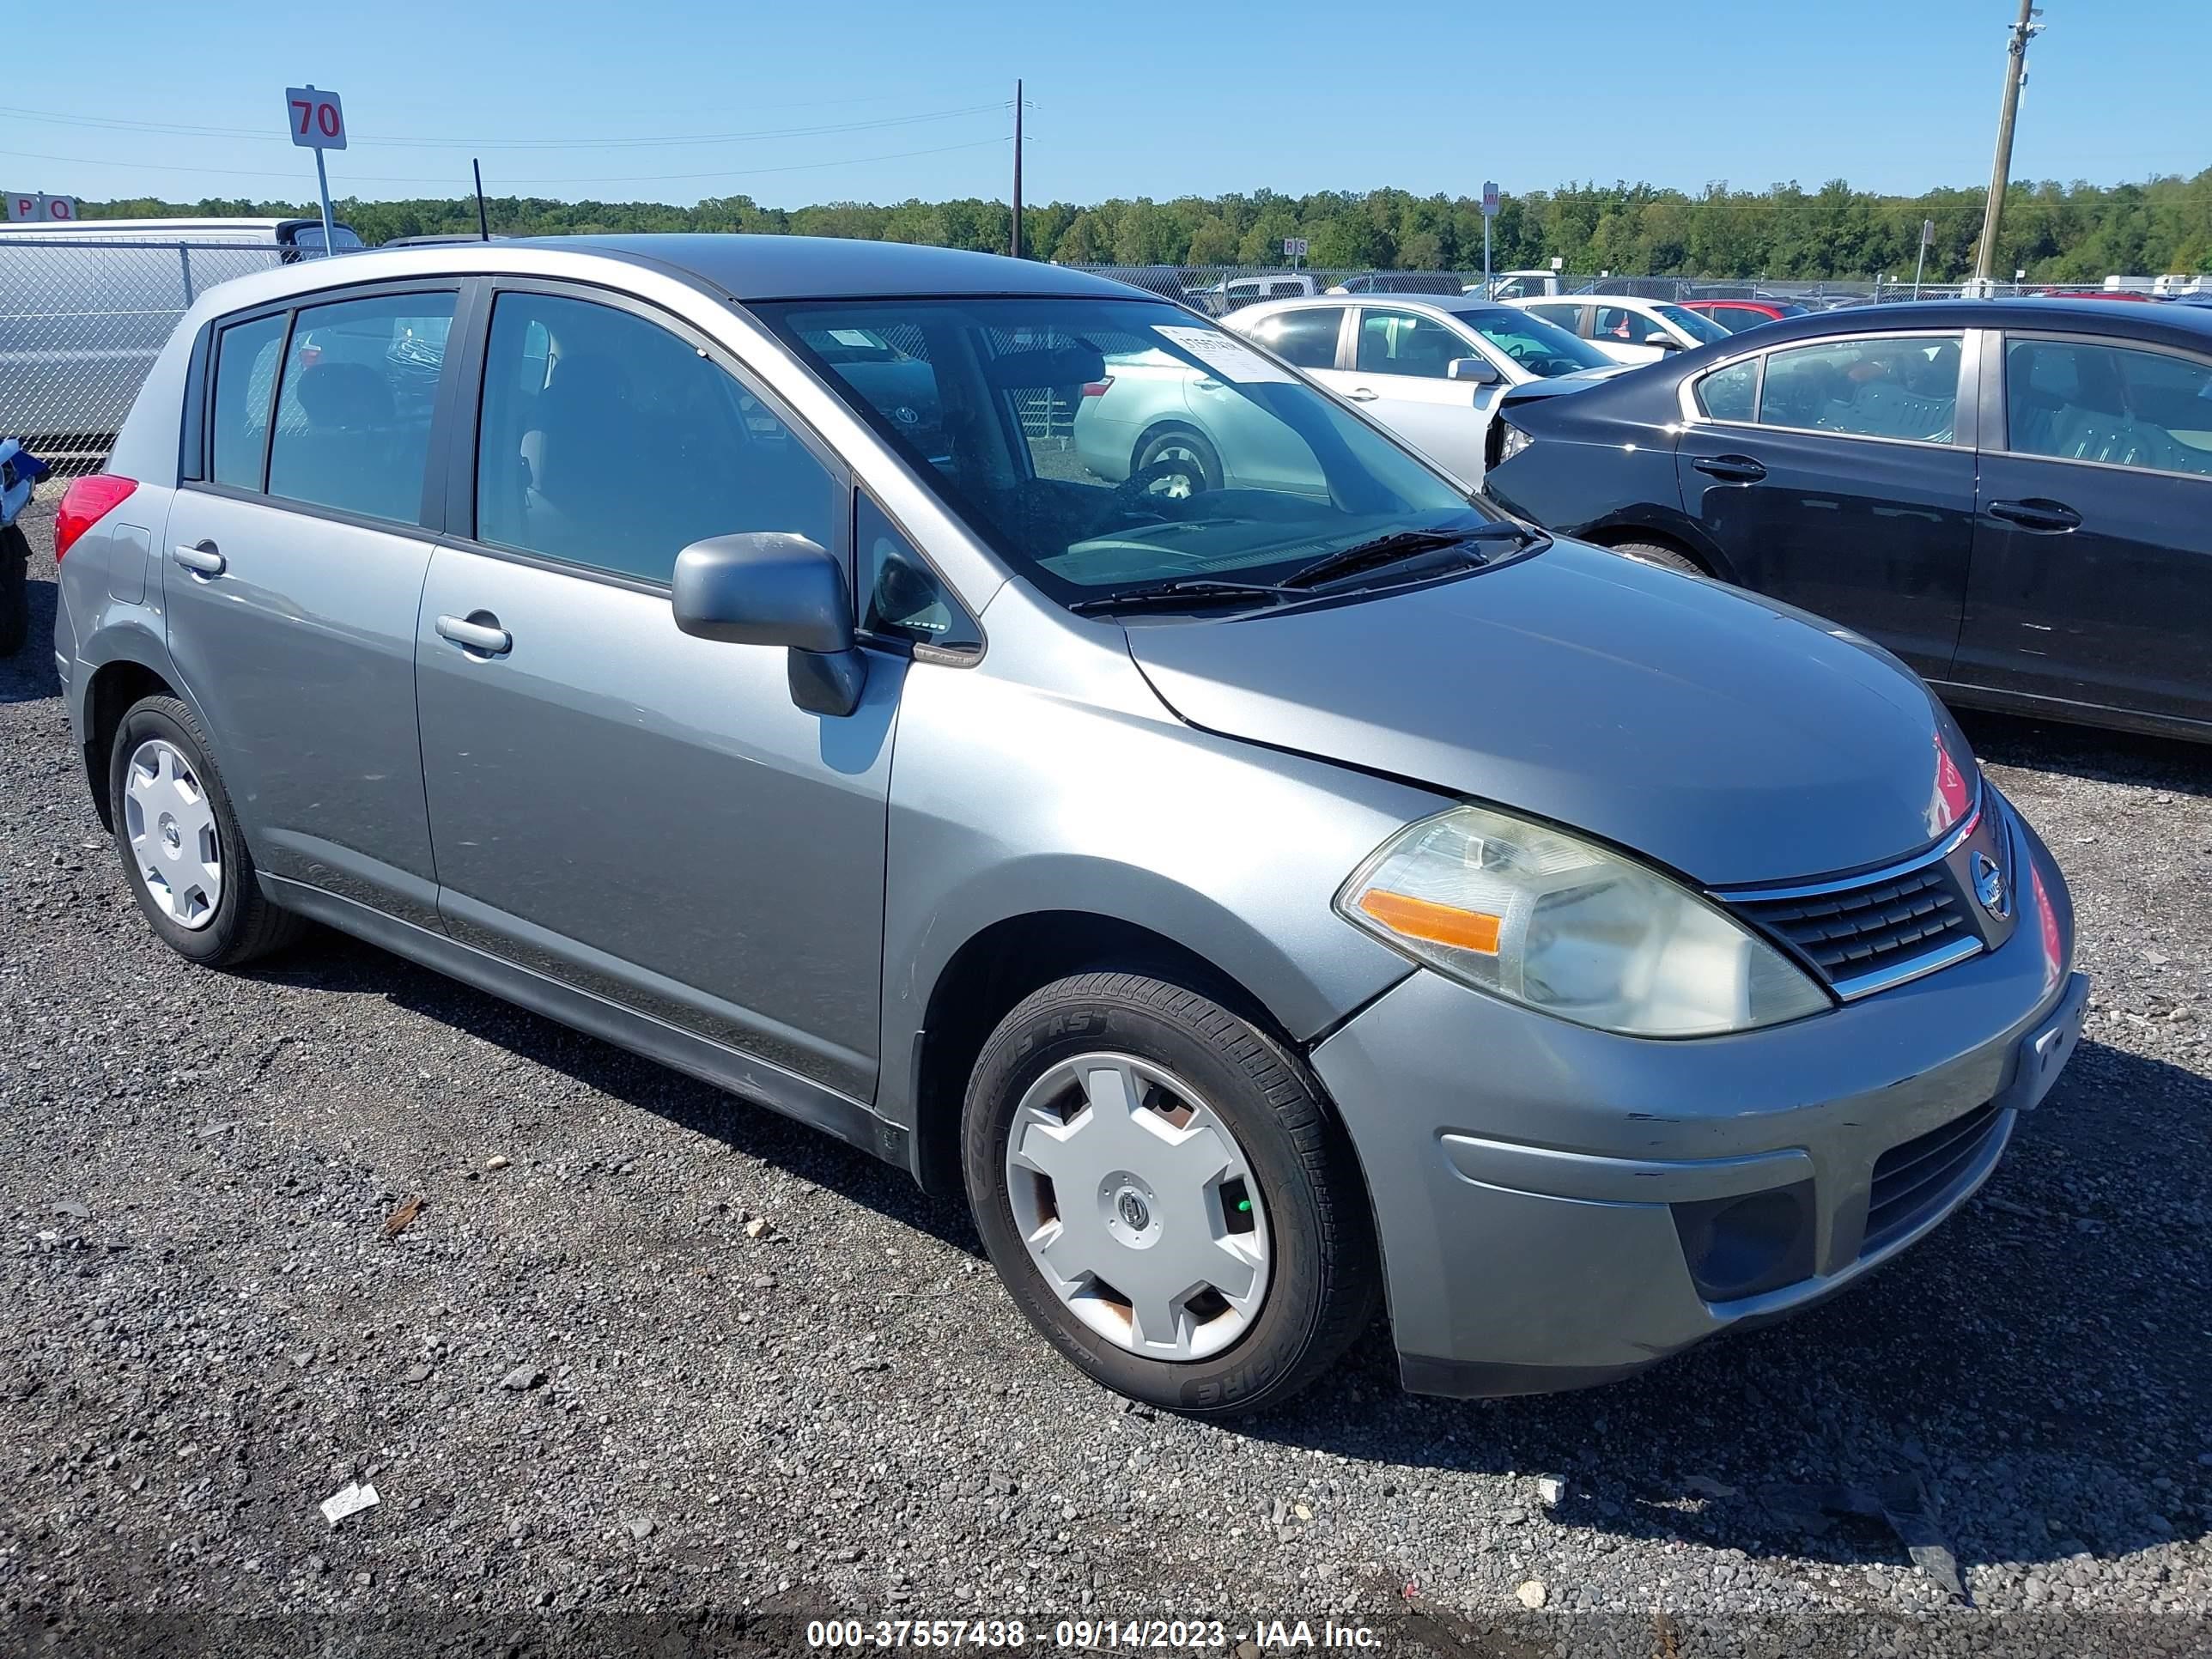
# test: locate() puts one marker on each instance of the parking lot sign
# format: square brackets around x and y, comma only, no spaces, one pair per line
[1490,198]
[316,120]
[35,207]
[1295,249]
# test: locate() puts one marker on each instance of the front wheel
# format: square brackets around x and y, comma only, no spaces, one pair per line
[1159,1185]
[1658,553]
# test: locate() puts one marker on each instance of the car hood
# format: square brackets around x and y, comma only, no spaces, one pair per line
[1736,740]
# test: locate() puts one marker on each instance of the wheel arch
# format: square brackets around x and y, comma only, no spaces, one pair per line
[109,693]
[998,965]
[1669,531]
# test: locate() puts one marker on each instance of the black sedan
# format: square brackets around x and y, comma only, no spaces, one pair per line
[2014,495]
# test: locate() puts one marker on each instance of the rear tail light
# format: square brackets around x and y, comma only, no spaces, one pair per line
[84,504]
[1098,388]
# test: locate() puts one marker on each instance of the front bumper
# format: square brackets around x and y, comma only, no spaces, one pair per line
[1560,1206]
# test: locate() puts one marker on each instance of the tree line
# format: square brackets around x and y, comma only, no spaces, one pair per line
[2075,232]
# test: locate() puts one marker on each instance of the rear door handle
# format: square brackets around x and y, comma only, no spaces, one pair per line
[2049,518]
[485,636]
[1361,394]
[1731,469]
[201,559]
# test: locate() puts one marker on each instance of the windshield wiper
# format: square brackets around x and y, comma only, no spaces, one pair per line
[1181,595]
[1405,544]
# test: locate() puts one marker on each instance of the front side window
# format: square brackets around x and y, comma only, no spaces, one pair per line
[610,442]
[1306,336]
[245,375]
[1623,326]
[905,598]
[1875,387]
[1407,343]
[1730,393]
[353,413]
[1187,457]
[1543,350]
[2080,401]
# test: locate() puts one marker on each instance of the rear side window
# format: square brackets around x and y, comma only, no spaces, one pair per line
[2080,401]
[1306,336]
[1875,387]
[1730,393]
[353,414]
[610,442]
[245,375]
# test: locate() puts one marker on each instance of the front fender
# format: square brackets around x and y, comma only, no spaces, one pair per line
[1007,801]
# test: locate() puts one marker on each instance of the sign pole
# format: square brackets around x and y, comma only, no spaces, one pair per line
[1927,235]
[1489,212]
[323,185]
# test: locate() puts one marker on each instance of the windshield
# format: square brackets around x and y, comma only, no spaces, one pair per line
[1105,445]
[1543,349]
[1695,324]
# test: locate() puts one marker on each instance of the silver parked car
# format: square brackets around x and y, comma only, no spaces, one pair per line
[1250,901]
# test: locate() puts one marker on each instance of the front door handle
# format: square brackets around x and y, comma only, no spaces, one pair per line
[1731,469]
[1361,394]
[479,631]
[2045,517]
[201,559]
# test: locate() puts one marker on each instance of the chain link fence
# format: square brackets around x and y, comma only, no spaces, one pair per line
[81,322]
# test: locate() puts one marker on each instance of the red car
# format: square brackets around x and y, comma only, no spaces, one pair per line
[1737,315]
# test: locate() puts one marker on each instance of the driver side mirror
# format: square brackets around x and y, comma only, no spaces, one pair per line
[770,587]
[1479,370]
[1664,340]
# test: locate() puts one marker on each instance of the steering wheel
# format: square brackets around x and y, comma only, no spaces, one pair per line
[1129,496]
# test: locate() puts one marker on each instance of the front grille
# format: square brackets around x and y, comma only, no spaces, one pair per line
[1888,923]
[1913,1181]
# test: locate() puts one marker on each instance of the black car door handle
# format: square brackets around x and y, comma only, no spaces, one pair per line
[1731,469]
[2049,518]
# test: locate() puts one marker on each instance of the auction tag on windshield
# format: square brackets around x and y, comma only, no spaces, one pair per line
[1226,355]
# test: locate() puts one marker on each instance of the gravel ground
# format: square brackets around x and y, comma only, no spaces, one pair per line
[606,1408]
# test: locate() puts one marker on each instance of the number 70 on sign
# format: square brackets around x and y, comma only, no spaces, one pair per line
[316,119]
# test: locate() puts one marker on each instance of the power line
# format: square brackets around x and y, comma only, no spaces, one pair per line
[112,123]
[567,181]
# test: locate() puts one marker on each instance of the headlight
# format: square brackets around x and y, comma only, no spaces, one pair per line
[1512,440]
[1557,923]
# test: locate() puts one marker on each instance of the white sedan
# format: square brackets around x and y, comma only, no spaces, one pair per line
[1627,329]
[1429,367]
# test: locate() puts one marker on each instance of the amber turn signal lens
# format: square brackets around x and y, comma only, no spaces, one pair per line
[1439,924]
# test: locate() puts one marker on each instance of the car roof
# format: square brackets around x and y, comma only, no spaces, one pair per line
[1459,304]
[742,268]
[2180,324]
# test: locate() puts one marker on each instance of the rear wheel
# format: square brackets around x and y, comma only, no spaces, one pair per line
[15,594]
[1666,558]
[1186,462]
[1159,1185]
[179,842]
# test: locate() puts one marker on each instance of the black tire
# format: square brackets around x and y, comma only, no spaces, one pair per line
[1325,1283]
[245,924]
[15,585]
[1176,442]
[1666,558]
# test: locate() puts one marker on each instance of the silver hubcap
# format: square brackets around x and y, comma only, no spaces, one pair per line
[171,826]
[1137,1207]
[1178,486]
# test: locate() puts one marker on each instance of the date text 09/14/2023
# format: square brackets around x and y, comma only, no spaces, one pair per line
[1094,1635]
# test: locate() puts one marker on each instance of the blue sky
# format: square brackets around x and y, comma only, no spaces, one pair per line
[903,99]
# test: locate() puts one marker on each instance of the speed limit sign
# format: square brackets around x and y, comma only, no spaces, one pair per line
[317,118]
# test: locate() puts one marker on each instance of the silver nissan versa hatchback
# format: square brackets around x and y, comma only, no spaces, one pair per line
[1268,897]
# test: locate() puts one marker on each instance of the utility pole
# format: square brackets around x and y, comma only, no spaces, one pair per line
[1018,169]
[2001,174]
